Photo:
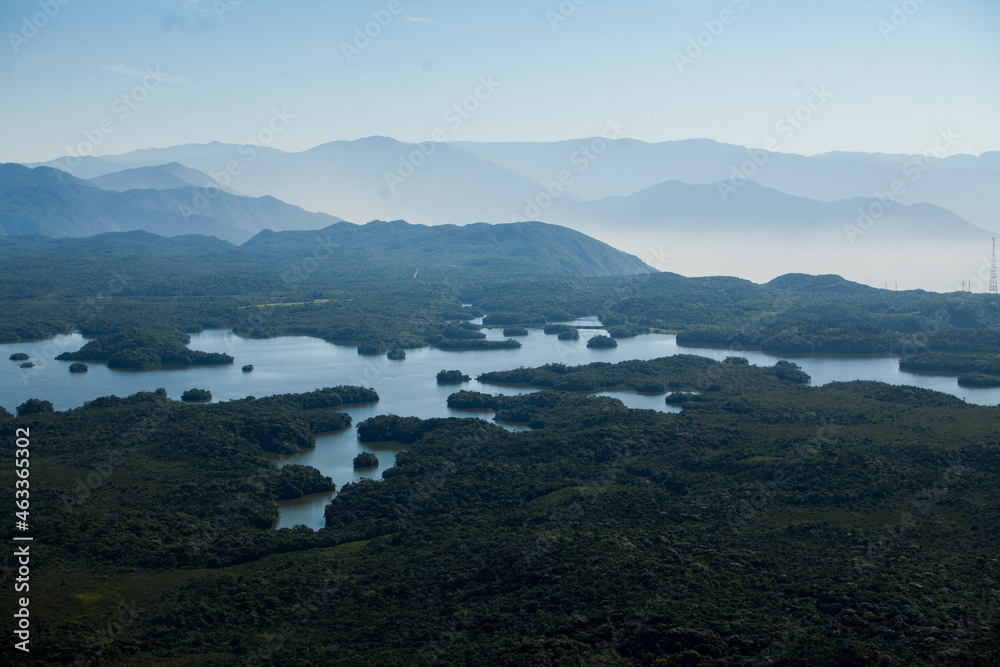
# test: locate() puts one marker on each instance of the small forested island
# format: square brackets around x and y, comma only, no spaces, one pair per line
[396,355]
[453,376]
[196,395]
[248,368]
[572,333]
[975,379]
[602,341]
[143,349]
[515,331]
[28,364]
[365,460]
[19,356]
[78,367]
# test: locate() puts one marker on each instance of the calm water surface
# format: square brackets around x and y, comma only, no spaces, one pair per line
[408,387]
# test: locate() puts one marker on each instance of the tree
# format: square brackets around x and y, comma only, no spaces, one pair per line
[196,395]
[445,377]
[365,460]
[602,341]
[78,367]
[33,406]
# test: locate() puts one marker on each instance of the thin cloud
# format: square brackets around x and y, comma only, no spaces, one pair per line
[419,19]
[155,73]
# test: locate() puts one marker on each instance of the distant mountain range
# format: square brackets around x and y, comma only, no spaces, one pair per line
[464,182]
[699,203]
[53,203]
[757,211]
[159,177]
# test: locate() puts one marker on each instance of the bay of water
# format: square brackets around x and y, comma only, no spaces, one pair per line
[407,387]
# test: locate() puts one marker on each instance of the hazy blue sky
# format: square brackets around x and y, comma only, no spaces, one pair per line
[880,75]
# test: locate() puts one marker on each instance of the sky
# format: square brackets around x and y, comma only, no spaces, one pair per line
[108,76]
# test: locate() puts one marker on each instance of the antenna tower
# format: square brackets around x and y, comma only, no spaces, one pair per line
[993,269]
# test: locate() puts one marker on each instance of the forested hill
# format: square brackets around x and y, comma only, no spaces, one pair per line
[342,254]
[53,203]
[511,249]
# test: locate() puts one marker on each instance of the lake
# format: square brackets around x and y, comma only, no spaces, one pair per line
[407,387]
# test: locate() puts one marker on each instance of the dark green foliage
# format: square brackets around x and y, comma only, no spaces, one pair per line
[494,319]
[965,340]
[28,364]
[78,367]
[396,355]
[571,333]
[974,379]
[19,356]
[952,362]
[555,329]
[445,377]
[464,313]
[472,400]
[680,372]
[248,368]
[515,331]
[626,330]
[196,395]
[773,523]
[389,427]
[365,460]
[33,406]
[144,349]
[371,348]
[295,481]
[463,331]
[602,341]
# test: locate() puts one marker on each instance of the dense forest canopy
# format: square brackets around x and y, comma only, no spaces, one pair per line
[768,522]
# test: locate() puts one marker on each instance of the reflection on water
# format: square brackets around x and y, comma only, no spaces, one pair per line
[408,387]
